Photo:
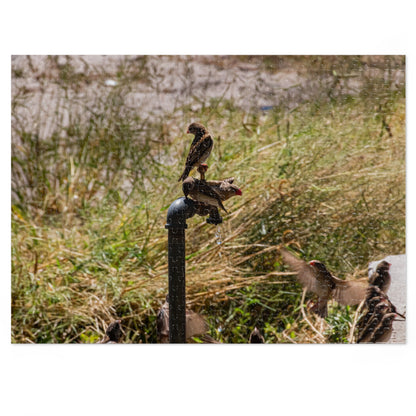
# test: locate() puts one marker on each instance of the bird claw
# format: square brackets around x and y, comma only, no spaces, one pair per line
[202,168]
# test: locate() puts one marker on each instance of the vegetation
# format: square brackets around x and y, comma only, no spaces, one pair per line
[92,178]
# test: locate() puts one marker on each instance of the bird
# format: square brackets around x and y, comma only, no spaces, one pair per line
[225,188]
[200,150]
[376,325]
[113,333]
[381,276]
[380,327]
[375,295]
[202,192]
[195,323]
[256,337]
[316,278]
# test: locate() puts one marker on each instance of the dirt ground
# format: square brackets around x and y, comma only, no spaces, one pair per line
[159,84]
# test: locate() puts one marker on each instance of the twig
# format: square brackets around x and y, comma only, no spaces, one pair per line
[322,338]
[354,322]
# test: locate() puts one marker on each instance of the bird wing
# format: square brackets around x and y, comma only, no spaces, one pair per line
[228,181]
[305,272]
[198,149]
[224,182]
[209,191]
[195,324]
[349,292]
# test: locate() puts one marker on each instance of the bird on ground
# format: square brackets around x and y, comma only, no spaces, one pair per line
[377,324]
[225,188]
[200,150]
[113,333]
[381,276]
[256,337]
[195,324]
[202,192]
[380,327]
[375,295]
[316,278]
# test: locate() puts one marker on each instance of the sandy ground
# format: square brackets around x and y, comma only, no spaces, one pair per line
[168,83]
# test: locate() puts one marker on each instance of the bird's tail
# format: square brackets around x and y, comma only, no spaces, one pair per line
[185,173]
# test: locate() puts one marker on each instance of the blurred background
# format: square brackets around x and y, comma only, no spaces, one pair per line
[316,143]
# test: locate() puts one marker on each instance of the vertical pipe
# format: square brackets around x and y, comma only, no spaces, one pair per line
[177,307]
[179,211]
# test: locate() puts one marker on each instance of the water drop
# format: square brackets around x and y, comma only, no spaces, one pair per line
[218,235]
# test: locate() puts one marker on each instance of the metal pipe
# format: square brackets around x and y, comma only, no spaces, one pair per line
[177,292]
[180,210]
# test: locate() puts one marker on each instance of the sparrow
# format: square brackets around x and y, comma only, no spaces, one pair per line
[225,188]
[256,337]
[202,192]
[195,324]
[377,324]
[380,327]
[375,295]
[113,333]
[381,277]
[316,278]
[200,150]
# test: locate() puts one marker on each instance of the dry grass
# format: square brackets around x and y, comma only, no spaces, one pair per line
[89,244]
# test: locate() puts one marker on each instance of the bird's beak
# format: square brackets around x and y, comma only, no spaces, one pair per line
[238,192]
[187,132]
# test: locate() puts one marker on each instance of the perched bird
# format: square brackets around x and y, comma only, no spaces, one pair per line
[316,278]
[200,148]
[195,324]
[202,192]
[113,333]
[225,188]
[381,277]
[256,337]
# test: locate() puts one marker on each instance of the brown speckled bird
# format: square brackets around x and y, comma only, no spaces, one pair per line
[202,192]
[195,324]
[200,150]
[377,324]
[256,337]
[380,327]
[381,276]
[225,188]
[316,278]
[113,333]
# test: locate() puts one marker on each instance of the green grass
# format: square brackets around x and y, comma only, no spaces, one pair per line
[90,202]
